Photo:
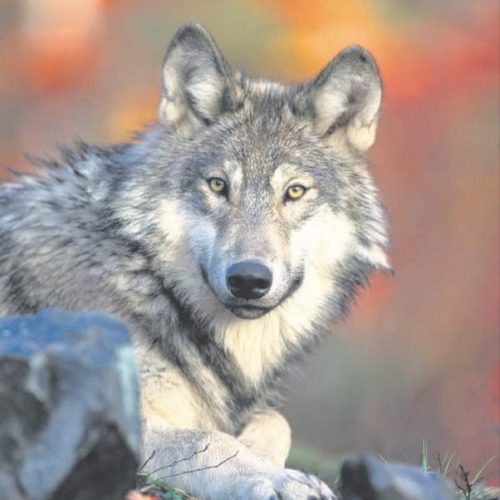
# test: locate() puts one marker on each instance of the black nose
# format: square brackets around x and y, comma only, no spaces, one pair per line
[249,279]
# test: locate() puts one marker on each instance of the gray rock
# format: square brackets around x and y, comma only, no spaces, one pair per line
[69,412]
[367,478]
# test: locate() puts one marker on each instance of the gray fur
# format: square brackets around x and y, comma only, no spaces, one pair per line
[92,231]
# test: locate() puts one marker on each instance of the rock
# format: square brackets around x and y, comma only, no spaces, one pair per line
[69,411]
[367,478]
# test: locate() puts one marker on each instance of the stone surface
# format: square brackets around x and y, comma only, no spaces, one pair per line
[69,411]
[368,478]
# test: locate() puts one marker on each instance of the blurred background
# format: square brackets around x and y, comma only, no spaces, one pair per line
[419,358]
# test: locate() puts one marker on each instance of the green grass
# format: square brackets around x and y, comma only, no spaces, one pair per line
[305,458]
[151,486]
[469,486]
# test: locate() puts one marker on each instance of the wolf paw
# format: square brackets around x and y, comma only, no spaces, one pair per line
[292,484]
[289,484]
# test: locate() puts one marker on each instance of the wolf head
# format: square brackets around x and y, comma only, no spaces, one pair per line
[258,194]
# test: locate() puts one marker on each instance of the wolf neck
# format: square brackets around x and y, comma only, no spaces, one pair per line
[262,346]
[258,345]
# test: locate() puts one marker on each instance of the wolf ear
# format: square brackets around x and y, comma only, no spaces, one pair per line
[344,100]
[197,81]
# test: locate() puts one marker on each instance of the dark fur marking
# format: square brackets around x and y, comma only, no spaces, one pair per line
[16,292]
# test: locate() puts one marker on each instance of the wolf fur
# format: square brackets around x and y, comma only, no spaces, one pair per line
[135,230]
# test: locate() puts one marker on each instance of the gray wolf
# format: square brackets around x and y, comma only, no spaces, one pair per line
[228,236]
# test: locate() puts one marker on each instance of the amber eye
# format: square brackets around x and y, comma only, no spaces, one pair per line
[217,185]
[295,192]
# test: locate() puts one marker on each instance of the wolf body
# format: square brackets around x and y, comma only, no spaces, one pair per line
[228,237]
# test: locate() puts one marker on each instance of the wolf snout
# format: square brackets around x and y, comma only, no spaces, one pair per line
[249,279]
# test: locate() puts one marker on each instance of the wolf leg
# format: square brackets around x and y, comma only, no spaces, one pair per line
[268,435]
[216,466]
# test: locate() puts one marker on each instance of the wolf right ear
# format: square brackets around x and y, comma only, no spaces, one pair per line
[344,100]
[198,84]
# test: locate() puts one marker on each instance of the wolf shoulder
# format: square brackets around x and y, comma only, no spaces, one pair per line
[58,239]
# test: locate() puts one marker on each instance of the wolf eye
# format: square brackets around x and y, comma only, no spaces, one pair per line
[217,185]
[295,192]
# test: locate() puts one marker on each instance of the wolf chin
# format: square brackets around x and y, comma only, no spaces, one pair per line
[229,236]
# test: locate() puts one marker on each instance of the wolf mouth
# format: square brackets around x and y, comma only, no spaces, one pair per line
[248,312]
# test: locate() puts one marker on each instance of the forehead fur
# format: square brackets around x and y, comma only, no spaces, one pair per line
[266,133]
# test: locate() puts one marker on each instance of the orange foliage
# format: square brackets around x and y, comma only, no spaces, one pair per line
[61,43]
[372,300]
[116,4]
[52,68]
[140,110]
[410,66]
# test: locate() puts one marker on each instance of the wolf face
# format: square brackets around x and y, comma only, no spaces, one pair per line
[272,194]
[260,205]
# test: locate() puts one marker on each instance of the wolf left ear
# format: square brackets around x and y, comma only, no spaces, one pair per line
[197,83]
[344,100]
